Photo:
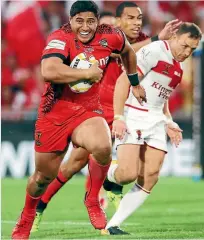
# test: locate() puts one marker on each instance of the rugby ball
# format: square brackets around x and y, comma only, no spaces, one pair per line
[81,62]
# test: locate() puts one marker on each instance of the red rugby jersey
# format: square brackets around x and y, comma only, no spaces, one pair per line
[63,44]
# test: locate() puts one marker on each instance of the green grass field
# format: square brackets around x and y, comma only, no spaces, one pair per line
[175,210]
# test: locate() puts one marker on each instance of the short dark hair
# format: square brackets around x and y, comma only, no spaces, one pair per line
[192,28]
[84,6]
[120,8]
[106,14]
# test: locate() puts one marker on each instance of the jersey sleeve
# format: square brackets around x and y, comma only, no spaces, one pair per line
[148,57]
[57,45]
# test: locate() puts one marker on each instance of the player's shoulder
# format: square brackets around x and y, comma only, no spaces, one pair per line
[64,31]
[66,28]
[163,45]
[107,29]
[157,45]
[155,48]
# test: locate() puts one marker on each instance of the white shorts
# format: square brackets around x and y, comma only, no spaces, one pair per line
[146,129]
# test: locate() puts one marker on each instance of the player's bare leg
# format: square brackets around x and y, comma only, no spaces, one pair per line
[124,172]
[47,166]
[126,169]
[114,190]
[151,160]
[116,174]
[77,160]
[94,135]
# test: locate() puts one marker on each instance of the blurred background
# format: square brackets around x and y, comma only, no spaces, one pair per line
[24,28]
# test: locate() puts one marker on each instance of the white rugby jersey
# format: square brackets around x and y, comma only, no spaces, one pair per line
[162,73]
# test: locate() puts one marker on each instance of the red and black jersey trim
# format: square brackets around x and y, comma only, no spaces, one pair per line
[105,29]
[54,92]
[124,39]
[59,55]
[66,28]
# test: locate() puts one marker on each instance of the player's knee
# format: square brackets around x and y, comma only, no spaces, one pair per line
[151,179]
[126,176]
[104,148]
[140,180]
[42,180]
[102,152]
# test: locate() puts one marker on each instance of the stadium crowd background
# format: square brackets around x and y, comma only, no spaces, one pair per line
[25,27]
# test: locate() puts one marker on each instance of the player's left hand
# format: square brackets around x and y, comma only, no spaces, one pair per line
[175,133]
[169,29]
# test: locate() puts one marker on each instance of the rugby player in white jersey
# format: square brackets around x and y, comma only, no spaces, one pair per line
[141,130]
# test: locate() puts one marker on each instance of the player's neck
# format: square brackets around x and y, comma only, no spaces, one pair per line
[131,40]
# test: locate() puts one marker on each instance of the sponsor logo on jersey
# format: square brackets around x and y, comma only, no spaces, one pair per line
[103,61]
[103,42]
[56,44]
[163,92]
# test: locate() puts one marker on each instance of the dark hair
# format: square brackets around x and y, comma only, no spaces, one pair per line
[106,14]
[192,28]
[120,8]
[84,6]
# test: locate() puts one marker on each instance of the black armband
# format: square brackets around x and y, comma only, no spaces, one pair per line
[134,79]
[155,38]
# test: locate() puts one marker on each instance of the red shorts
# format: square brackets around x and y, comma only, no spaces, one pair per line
[108,115]
[53,130]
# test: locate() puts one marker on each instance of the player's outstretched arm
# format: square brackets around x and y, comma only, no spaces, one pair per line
[54,70]
[120,94]
[119,99]
[130,63]
[166,33]
[129,58]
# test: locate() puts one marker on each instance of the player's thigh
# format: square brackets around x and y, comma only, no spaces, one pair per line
[92,133]
[128,158]
[151,160]
[47,164]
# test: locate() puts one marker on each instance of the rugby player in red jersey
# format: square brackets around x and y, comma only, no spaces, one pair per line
[65,115]
[130,20]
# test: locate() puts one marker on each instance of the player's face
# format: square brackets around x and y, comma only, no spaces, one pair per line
[110,20]
[183,46]
[84,24]
[130,22]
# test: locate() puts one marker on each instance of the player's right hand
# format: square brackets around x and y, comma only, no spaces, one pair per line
[170,29]
[119,129]
[95,74]
[139,92]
